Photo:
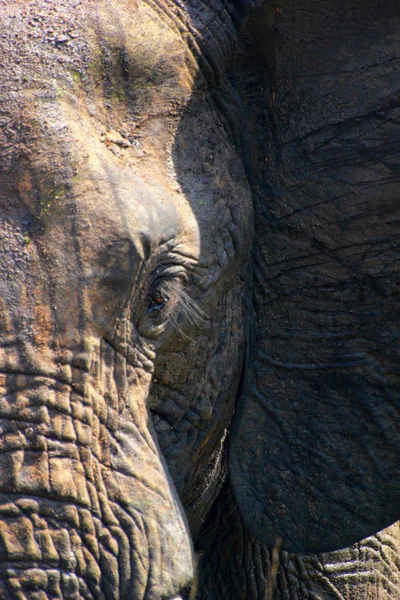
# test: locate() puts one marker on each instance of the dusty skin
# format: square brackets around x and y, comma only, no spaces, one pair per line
[198,311]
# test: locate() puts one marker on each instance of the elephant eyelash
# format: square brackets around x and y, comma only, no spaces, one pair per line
[191,309]
[168,300]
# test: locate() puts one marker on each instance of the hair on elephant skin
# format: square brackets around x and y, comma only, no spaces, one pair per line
[199,300]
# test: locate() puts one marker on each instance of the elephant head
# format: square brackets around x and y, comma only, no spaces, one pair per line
[121,299]
[126,304]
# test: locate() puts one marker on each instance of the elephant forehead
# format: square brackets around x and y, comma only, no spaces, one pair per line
[120,51]
[157,57]
[107,115]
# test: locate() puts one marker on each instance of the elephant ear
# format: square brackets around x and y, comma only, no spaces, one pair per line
[314,453]
[315,448]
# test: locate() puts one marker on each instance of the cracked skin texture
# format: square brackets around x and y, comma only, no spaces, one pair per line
[128,163]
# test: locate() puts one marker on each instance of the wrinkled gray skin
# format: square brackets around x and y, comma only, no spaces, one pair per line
[198,249]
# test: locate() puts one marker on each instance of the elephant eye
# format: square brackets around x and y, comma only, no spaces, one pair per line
[169,303]
[160,297]
[157,301]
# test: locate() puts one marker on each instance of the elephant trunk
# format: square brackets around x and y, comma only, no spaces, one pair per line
[75,375]
[86,507]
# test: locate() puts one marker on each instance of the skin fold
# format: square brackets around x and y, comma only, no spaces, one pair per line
[149,180]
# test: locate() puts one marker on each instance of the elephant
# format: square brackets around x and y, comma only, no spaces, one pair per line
[198,300]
